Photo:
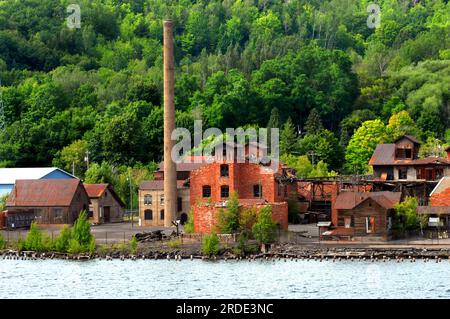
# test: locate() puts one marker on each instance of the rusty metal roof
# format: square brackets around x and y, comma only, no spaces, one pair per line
[97,190]
[349,200]
[159,185]
[409,137]
[384,154]
[433,210]
[43,193]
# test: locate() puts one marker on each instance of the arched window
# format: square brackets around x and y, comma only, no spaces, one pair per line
[161,214]
[148,214]
[148,199]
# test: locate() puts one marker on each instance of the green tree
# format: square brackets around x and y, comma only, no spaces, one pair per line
[228,219]
[362,144]
[264,230]
[62,241]
[34,239]
[406,213]
[72,157]
[313,124]
[288,138]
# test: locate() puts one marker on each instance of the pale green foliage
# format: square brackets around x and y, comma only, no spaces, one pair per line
[401,124]
[407,211]
[247,218]
[228,219]
[133,245]
[3,200]
[363,143]
[62,241]
[72,156]
[432,147]
[34,239]
[210,244]
[264,230]
[189,225]
[81,231]
[2,242]
[175,243]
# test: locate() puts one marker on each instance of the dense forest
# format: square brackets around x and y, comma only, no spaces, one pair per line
[315,69]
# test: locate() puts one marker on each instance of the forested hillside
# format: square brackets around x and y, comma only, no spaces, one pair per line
[313,68]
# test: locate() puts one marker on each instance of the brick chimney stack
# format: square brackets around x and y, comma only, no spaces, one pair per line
[170,172]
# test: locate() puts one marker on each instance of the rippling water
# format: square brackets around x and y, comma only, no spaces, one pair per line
[231,279]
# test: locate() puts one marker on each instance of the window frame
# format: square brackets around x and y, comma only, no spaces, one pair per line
[222,189]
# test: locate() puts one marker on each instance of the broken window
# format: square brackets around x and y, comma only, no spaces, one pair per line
[224,170]
[257,190]
[206,191]
[403,173]
[224,191]
[148,199]
[161,214]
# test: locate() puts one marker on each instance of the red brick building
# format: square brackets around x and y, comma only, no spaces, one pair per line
[256,185]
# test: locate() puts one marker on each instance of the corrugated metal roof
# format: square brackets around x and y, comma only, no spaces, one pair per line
[443,184]
[384,154]
[10,175]
[158,185]
[43,192]
[349,200]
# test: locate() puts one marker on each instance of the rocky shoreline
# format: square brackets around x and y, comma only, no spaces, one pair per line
[277,252]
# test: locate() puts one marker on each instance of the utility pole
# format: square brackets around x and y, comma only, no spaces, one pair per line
[312,154]
[86,159]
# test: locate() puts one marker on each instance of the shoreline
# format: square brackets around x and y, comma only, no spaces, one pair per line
[277,252]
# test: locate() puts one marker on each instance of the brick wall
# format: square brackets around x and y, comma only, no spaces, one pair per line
[441,199]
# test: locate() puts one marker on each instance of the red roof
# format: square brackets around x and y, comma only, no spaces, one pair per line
[43,193]
[158,185]
[349,200]
[95,190]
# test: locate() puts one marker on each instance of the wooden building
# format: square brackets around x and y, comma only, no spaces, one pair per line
[399,161]
[364,213]
[106,206]
[49,201]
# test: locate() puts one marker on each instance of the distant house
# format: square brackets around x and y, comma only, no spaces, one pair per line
[106,206]
[400,162]
[48,201]
[151,202]
[364,213]
[438,210]
[8,176]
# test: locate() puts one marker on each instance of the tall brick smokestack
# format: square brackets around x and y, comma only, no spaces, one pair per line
[170,171]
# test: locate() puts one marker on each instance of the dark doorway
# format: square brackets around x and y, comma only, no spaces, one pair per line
[183,218]
[107,213]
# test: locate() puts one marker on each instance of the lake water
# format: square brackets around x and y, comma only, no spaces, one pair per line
[223,279]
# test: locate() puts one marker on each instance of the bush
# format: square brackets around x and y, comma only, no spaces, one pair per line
[247,219]
[34,240]
[210,244]
[228,219]
[63,240]
[406,215]
[2,242]
[133,245]
[81,231]
[265,229]
[189,225]
[75,247]
[175,243]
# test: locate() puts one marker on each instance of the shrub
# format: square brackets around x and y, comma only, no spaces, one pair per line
[189,225]
[92,246]
[406,215]
[264,229]
[228,219]
[210,244]
[81,231]
[75,247]
[247,218]
[133,245]
[175,243]
[63,239]
[2,242]
[34,239]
